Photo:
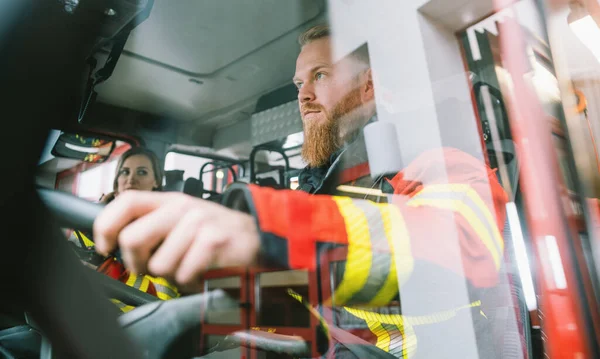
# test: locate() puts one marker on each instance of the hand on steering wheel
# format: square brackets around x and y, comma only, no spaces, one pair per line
[175,236]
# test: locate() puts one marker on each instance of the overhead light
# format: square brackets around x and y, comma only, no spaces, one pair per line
[110,12]
[585,28]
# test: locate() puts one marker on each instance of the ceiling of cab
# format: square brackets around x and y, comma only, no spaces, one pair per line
[196,60]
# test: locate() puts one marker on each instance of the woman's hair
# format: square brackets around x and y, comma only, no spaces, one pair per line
[158,173]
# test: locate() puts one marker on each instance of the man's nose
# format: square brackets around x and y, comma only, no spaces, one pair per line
[306,94]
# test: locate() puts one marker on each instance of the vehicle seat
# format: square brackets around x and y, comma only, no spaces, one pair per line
[174,181]
[193,187]
[268,182]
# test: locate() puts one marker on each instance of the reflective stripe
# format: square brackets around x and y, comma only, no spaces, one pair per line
[358,261]
[377,241]
[122,306]
[164,292]
[131,279]
[402,264]
[81,240]
[164,289]
[380,251]
[395,332]
[478,205]
[144,284]
[383,337]
[396,338]
[138,281]
[399,320]
[312,310]
[464,200]
[408,345]
[398,341]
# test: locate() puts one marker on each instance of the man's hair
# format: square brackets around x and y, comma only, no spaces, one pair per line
[314,33]
[323,30]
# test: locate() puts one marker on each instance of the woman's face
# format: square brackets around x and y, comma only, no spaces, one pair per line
[136,173]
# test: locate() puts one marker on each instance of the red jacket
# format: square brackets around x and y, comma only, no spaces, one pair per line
[441,194]
[446,216]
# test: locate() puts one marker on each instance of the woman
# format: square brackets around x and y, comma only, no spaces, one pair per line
[137,169]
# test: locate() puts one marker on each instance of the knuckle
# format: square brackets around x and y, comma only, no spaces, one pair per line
[100,226]
[160,269]
[179,198]
[194,215]
[184,278]
[130,240]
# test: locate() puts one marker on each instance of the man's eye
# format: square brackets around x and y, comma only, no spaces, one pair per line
[298,85]
[319,76]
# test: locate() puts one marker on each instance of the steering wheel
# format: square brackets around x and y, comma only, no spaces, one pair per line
[165,328]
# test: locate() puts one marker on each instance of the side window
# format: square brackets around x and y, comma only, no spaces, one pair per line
[215,174]
[95,182]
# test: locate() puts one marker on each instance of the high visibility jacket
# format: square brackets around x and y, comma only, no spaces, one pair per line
[447,213]
[110,266]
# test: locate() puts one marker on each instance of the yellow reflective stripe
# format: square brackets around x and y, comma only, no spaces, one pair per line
[400,345]
[383,337]
[164,296]
[312,310]
[402,261]
[468,214]
[122,306]
[396,319]
[399,319]
[477,200]
[474,196]
[164,289]
[145,284]
[390,226]
[86,241]
[409,345]
[382,256]
[359,259]
[295,295]
[131,280]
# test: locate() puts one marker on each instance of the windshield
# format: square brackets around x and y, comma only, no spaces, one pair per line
[420,179]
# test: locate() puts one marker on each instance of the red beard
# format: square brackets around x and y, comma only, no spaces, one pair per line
[322,138]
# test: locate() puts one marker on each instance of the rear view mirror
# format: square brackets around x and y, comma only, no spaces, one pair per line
[83,148]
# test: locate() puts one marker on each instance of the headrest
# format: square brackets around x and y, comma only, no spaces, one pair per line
[268,182]
[193,187]
[174,181]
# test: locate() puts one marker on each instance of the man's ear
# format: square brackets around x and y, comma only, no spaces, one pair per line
[367,92]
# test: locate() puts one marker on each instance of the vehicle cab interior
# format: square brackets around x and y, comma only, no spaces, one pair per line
[207,87]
